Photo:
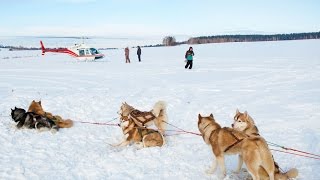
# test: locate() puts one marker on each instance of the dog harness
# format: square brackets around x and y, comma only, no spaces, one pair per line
[141,118]
[232,145]
[142,131]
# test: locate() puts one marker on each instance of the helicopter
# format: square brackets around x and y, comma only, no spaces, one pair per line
[79,51]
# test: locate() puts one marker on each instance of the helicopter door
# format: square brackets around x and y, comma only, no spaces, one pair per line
[88,52]
[81,52]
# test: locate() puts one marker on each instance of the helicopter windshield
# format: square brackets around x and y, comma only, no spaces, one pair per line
[94,51]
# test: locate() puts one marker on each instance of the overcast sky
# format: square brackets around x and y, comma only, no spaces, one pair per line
[156,17]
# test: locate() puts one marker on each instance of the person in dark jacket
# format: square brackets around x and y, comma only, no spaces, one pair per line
[139,53]
[189,57]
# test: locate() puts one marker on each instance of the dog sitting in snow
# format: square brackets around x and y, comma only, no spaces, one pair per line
[140,135]
[134,125]
[156,116]
[36,108]
[243,122]
[31,120]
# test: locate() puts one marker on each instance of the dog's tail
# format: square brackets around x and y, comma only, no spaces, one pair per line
[63,123]
[159,108]
[292,173]
[160,112]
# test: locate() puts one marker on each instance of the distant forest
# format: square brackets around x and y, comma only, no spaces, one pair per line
[19,48]
[251,38]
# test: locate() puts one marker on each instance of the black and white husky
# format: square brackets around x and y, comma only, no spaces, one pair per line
[32,121]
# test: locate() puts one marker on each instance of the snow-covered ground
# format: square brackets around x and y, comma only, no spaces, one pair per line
[278,83]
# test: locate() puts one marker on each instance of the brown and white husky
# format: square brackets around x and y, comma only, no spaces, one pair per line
[157,116]
[225,141]
[140,135]
[243,122]
[36,107]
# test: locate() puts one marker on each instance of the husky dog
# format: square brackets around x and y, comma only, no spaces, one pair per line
[23,119]
[36,108]
[30,120]
[243,122]
[156,116]
[134,133]
[224,141]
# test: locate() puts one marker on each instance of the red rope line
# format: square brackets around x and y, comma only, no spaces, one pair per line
[97,123]
[182,129]
[291,149]
[176,134]
[295,154]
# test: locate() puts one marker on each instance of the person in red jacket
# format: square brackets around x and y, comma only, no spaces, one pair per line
[126,53]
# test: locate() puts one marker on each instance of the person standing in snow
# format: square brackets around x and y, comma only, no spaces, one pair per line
[189,57]
[139,53]
[126,53]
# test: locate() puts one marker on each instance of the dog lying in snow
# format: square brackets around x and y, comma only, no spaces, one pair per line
[36,108]
[140,135]
[31,120]
[156,116]
[134,125]
[243,122]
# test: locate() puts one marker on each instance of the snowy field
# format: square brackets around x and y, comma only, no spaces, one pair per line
[278,83]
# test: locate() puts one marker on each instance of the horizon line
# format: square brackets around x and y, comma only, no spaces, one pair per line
[127,36]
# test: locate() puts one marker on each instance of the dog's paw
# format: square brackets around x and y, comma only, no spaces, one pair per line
[53,131]
[237,171]
[209,171]
[42,129]
[139,145]
[114,145]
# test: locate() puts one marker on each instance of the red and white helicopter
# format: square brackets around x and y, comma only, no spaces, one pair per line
[79,51]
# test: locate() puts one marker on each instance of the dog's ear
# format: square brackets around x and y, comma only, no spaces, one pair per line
[40,102]
[245,114]
[199,116]
[237,111]
[211,115]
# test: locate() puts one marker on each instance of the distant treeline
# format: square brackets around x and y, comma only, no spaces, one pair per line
[18,48]
[171,41]
[251,38]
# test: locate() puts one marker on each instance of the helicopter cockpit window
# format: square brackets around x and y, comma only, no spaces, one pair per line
[94,51]
[81,52]
[87,52]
